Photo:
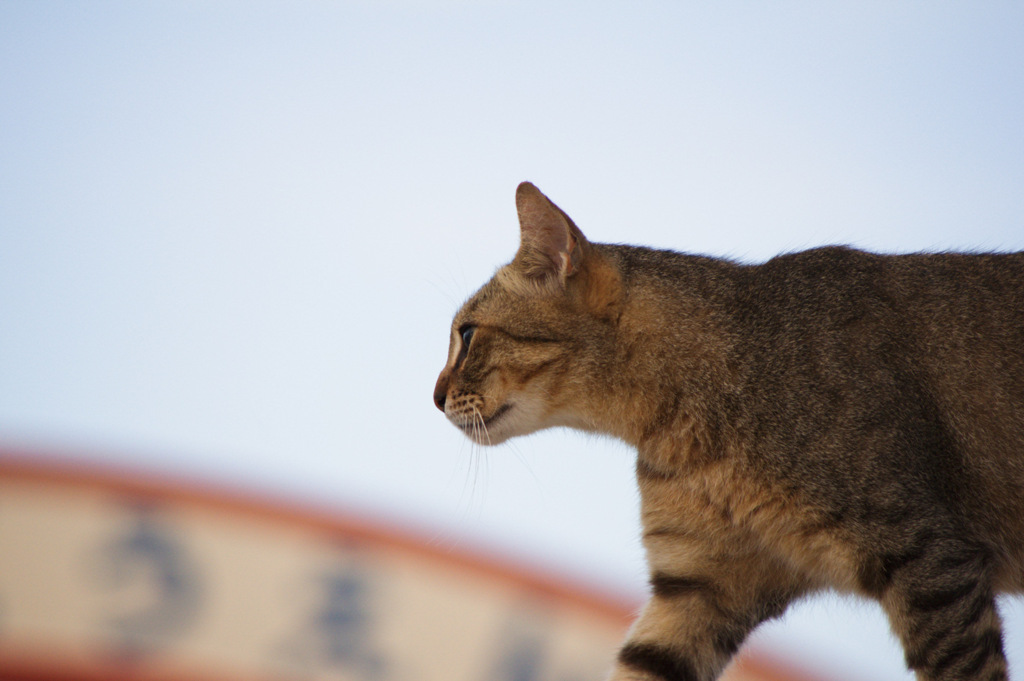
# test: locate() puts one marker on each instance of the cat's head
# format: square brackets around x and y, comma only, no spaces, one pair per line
[527,349]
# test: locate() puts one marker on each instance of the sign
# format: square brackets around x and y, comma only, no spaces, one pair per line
[109,576]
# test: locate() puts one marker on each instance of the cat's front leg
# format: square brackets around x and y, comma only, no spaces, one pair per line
[669,643]
[693,625]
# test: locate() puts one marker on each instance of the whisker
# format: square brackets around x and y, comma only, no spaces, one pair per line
[480,428]
[466,496]
[479,476]
[483,426]
[469,505]
[479,425]
[526,464]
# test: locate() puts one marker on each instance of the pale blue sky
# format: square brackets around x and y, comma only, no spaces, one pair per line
[232,235]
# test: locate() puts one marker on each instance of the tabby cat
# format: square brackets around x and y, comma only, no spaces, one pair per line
[827,419]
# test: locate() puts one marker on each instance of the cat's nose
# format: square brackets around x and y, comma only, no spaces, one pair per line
[441,390]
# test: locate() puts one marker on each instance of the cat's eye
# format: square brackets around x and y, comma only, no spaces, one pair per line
[466,332]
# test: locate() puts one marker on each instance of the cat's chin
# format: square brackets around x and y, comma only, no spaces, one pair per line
[492,430]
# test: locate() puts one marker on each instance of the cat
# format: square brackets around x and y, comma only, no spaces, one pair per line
[827,419]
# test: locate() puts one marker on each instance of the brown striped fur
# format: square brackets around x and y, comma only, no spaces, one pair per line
[828,419]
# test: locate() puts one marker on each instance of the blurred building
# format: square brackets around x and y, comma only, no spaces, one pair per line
[111,576]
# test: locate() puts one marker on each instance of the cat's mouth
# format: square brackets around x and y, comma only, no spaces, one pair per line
[477,428]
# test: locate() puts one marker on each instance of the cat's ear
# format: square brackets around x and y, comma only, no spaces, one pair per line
[551,246]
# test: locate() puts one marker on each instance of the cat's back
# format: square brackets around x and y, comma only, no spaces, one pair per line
[932,312]
[948,325]
[810,335]
[945,318]
[910,366]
